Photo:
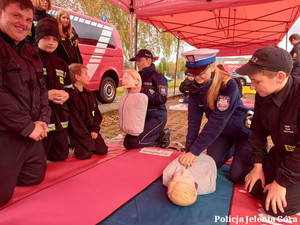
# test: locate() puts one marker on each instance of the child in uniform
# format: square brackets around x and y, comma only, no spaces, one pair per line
[85,117]
[275,177]
[59,85]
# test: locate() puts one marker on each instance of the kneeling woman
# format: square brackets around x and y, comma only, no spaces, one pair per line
[214,93]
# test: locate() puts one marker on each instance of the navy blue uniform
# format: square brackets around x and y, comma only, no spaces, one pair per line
[155,86]
[279,116]
[57,75]
[296,59]
[224,134]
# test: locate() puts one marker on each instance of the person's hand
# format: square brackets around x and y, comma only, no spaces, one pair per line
[187,159]
[40,131]
[58,96]
[255,174]
[275,197]
[94,135]
[76,42]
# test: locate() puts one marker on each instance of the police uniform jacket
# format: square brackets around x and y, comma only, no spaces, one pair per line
[85,117]
[296,59]
[279,116]
[23,93]
[227,118]
[155,86]
[57,75]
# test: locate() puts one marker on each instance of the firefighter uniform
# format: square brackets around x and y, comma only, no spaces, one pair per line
[57,75]
[23,100]
[68,51]
[296,59]
[38,15]
[279,115]
[155,86]
[85,118]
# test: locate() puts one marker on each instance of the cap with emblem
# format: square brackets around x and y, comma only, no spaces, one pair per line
[199,59]
[143,53]
[270,58]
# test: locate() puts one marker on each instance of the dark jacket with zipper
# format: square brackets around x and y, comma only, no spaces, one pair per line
[57,75]
[23,93]
[155,86]
[279,116]
[227,118]
[85,117]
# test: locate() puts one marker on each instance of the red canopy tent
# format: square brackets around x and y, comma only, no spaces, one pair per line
[234,27]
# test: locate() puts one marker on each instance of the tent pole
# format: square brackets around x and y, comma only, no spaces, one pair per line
[131,38]
[178,42]
[286,40]
[136,39]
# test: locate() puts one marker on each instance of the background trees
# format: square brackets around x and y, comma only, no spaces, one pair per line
[161,44]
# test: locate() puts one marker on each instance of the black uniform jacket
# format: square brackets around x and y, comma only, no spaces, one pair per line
[67,51]
[279,116]
[23,93]
[57,75]
[38,15]
[85,117]
[155,86]
[296,59]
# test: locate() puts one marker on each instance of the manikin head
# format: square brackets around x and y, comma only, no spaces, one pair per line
[182,188]
[131,79]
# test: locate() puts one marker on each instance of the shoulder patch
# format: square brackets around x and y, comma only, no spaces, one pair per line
[163,90]
[223,102]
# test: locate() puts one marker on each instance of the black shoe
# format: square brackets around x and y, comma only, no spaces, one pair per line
[165,140]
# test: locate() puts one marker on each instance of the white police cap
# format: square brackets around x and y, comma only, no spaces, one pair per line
[200,57]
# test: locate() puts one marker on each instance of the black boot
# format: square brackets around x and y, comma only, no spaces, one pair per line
[164,138]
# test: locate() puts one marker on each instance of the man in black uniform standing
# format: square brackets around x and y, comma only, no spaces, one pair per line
[155,86]
[24,109]
[295,41]
[275,177]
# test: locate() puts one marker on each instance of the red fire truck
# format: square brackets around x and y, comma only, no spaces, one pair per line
[101,50]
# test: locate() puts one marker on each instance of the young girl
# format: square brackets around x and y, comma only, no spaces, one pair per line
[214,93]
[68,47]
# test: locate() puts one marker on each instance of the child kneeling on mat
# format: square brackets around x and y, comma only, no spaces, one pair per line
[85,117]
[185,183]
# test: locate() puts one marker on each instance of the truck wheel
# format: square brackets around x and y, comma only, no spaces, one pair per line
[107,91]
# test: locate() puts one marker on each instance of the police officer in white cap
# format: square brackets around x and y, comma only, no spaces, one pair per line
[214,93]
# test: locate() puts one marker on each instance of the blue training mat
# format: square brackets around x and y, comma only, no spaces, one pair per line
[152,206]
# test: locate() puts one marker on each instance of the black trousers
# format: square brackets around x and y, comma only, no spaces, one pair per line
[56,145]
[224,147]
[97,146]
[292,192]
[153,127]
[22,163]
[292,199]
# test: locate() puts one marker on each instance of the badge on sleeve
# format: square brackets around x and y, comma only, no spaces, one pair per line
[295,55]
[163,90]
[223,102]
